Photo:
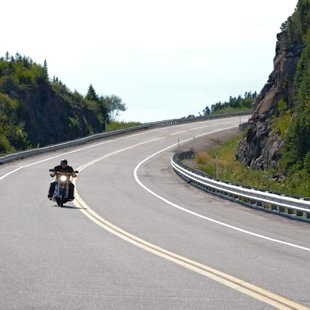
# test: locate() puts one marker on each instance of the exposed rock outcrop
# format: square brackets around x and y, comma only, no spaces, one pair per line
[260,148]
[49,118]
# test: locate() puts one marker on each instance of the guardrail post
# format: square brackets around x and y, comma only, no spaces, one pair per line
[270,202]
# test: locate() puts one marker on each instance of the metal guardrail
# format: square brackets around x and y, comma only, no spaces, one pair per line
[292,207]
[41,150]
[278,204]
[110,134]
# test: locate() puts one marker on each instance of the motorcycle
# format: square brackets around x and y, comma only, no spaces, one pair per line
[61,192]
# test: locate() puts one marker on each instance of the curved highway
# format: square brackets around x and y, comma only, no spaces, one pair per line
[139,237]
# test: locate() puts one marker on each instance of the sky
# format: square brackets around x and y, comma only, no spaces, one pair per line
[165,59]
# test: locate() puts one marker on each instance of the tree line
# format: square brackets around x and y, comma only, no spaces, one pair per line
[37,111]
[239,103]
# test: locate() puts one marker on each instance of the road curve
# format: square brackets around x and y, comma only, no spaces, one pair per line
[139,237]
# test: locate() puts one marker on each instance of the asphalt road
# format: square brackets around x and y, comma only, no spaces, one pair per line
[139,237]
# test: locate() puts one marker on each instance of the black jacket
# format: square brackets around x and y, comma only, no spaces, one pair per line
[68,169]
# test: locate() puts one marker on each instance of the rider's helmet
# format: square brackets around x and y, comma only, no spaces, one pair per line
[64,162]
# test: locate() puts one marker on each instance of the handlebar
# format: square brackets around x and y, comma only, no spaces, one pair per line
[64,173]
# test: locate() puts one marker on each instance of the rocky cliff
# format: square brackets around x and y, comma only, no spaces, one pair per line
[36,111]
[49,118]
[260,148]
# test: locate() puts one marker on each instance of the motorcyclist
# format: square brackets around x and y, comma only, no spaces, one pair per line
[63,167]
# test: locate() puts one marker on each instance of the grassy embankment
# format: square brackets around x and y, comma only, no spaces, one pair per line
[231,170]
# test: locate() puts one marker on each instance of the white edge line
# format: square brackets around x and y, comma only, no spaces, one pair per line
[202,216]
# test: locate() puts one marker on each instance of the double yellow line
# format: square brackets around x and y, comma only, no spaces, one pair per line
[251,290]
[237,284]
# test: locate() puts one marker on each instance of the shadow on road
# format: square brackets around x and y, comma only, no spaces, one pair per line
[67,207]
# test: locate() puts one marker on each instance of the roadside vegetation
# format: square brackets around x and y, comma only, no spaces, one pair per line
[36,110]
[293,123]
[115,125]
[233,105]
[220,162]
[290,124]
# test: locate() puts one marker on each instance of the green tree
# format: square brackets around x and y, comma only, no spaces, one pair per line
[206,111]
[297,143]
[234,103]
[48,109]
[114,105]
[91,94]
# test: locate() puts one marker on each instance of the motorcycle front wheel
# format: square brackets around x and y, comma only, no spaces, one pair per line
[59,201]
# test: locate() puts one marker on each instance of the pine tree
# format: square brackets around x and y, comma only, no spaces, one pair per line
[91,94]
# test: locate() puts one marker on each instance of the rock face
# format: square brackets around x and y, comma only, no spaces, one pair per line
[260,148]
[48,118]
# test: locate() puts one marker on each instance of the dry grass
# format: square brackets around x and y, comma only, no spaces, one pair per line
[231,170]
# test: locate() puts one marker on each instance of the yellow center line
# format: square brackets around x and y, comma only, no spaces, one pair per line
[214,274]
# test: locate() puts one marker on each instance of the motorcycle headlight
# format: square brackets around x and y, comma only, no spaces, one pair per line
[63,178]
